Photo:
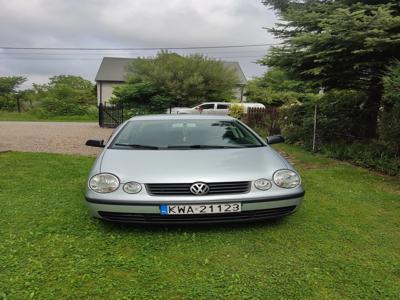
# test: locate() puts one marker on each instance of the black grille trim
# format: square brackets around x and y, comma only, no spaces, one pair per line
[253,215]
[183,189]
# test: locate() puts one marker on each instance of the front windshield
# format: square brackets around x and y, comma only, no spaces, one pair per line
[183,134]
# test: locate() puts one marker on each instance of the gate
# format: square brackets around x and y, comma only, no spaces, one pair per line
[111,115]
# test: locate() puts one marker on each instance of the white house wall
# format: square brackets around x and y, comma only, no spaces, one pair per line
[105,91]
[98,88]
[237,93]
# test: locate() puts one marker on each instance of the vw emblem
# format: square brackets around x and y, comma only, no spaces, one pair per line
[199,188]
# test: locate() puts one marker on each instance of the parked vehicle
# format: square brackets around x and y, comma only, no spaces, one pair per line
[247,105]
[212,108]
[190,169]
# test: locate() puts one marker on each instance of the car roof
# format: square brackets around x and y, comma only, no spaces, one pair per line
[215,103]
[181,117]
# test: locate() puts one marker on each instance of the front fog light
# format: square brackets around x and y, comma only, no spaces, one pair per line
[262,184]
[132,187]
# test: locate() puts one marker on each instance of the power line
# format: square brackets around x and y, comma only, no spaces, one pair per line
[134,49]
[108,53]
[99,58]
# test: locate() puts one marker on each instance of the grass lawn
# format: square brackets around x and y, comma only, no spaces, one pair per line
[343,243]
[26,116]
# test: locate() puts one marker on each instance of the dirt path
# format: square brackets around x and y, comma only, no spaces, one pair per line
[57,137]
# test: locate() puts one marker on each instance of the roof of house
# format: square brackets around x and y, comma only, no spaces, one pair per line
[113,69]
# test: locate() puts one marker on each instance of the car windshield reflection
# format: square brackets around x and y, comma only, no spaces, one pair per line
[185,134]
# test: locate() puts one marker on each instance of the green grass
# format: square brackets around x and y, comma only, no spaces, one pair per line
[26,116]
[344,242]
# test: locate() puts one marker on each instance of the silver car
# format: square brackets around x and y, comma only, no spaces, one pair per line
[190,169]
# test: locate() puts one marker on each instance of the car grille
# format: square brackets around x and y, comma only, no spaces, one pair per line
[254,215]
[183,189]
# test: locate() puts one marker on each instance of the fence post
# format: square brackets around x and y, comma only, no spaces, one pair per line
[18,104]
[122,112]
[315,127]
[274,116]
[101,114]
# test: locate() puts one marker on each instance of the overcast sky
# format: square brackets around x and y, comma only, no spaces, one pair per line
[126,23]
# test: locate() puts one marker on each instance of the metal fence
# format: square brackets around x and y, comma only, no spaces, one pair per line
[111,115]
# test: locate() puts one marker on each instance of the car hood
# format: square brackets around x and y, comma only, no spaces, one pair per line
[185,166]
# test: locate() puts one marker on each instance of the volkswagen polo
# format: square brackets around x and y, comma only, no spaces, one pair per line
[190,169]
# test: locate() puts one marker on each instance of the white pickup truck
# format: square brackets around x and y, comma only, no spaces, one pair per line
[212,108]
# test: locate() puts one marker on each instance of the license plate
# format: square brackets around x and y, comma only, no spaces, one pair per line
[198,209]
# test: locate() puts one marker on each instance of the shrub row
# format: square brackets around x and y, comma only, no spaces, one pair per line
[372,155]
[341,130]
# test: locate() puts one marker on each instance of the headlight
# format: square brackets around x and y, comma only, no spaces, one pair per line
[132,187]
[104,183]
[287,179]
[262,184]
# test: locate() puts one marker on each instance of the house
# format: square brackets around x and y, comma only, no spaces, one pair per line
[112,73]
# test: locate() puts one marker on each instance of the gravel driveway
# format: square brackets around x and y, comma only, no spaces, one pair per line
[57,137]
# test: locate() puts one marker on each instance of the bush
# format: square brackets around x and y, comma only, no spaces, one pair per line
[340,130]
[8,102]
[236,111]
[262,131]
[296,123]
[339,115]
[371,155]
[389,125]
[66,95]
[61,107]
[390,129]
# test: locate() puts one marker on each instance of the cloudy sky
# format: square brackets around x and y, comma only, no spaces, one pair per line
[129,24]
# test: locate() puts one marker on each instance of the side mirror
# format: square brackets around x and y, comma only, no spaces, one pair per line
[275,139]
[95,143]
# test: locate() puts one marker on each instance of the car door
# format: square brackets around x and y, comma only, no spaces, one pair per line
[206,108]
[222,109]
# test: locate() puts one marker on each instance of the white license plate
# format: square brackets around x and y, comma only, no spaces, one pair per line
[198,209]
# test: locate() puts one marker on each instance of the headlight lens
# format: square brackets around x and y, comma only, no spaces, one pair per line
[104,183]
[287,179]
[262,184]
[132,187]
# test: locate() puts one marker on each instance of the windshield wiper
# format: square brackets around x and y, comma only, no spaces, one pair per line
[252,146]
[137,146]
[201,147]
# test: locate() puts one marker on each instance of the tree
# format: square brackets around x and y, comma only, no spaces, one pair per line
[173,80]
[277,87]
[9,98]
[283,5]
[66,95]
[28,97]
[142,96]
[339,45]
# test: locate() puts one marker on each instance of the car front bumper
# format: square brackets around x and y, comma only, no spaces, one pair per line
[149,212]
